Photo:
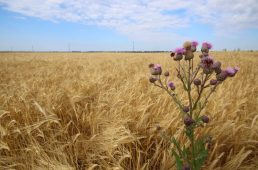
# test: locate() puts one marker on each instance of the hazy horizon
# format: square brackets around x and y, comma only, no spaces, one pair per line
[139,25]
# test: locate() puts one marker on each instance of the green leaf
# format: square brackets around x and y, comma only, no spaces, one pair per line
[201,153]
[179,162]
[185,153]
[177,144]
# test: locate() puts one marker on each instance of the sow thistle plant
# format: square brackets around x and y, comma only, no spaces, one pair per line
[199,84]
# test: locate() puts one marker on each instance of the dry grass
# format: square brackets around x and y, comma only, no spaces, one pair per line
[98,111]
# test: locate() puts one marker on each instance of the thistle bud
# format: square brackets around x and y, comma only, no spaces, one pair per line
[197,82]
[171,85]
[213,82]
[178,57]
[222,76]
[186,109]
[189,55]
[207,70]
[206,64]
[218,70]
[188,120]
[205,119]
[217,67]
[156,69]
[187,45]
[152,79]
[158,127]
[151,65]
[186,167]
[166,74]
[172,54]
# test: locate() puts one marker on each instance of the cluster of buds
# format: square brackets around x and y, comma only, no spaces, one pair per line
[186,52]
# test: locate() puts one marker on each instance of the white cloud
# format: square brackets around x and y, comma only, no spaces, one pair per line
[143,18]
[228,16]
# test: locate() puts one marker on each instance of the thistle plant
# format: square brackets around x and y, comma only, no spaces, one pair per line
[199,82]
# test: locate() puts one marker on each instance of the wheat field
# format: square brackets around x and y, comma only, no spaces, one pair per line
[99,111]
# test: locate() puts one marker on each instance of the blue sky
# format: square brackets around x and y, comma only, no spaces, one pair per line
[46,25]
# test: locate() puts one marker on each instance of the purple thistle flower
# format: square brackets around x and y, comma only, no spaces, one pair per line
[171,85]
[231,71]
[156,66]
[194,43]
[180,51]
[206,45]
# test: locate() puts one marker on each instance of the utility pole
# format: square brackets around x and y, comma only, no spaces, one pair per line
[69,47]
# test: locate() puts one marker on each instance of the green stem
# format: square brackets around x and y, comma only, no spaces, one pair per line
[173,95]
[201,90]
[193,149]
[189,89]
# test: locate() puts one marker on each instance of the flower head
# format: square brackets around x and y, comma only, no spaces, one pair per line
[179,54]
[180,51]
[194,43]
[157,66]
[232,71]
[156,69]
[197,82]
[187,45]
[206,45]
[217,67]
[206,64]
[213,82]
[205,119]
[166,74]
[186,109]
[152,79]
[171,85]
[188,120]
[222,76]
[172,54]
[186,167]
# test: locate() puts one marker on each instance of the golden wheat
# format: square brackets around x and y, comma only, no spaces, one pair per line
[98,111]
